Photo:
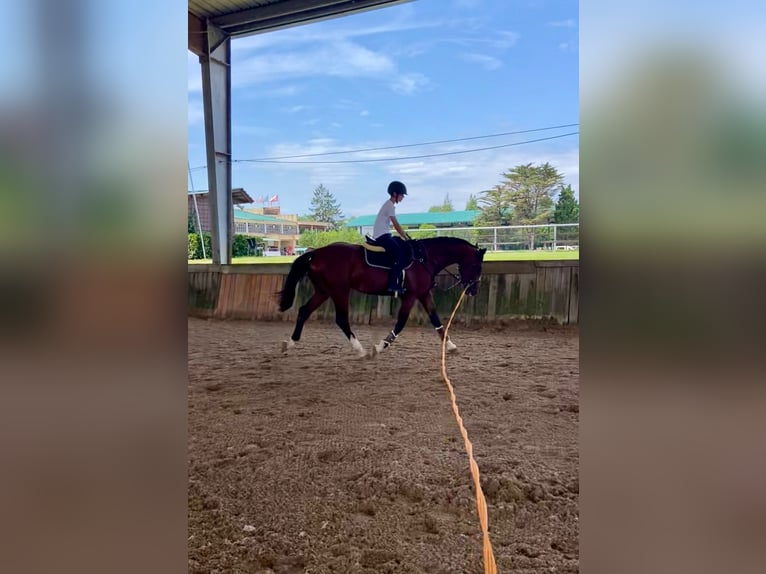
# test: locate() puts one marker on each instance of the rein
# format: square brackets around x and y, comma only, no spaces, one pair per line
[424,257]
[457,279]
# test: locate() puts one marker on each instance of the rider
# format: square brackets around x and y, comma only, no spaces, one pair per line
[382,234]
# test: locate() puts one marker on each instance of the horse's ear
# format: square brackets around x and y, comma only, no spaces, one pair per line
[482,251]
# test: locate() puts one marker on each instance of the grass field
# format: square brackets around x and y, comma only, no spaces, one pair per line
[490,256]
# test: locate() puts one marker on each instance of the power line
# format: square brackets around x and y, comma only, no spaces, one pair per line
[406,157]
[414,144]
[269,159]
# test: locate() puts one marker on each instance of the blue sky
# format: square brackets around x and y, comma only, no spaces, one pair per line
[417,72]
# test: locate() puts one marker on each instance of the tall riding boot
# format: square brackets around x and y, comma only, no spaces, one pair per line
[395,280]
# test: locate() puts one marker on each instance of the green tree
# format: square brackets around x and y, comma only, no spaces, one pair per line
[524,197]
[472,204]
[190,224]
[445,206]
[325,208]
[425,230]
[495,207]
[567,208]
[530,192]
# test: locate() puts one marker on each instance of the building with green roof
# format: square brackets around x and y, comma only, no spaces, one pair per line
[365,223]
[277,230]
[281,231]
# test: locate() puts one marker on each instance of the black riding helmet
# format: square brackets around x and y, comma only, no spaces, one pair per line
[397,187]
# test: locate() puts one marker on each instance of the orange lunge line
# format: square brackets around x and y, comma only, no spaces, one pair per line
[481,503]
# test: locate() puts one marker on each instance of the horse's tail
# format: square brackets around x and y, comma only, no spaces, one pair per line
[297,270]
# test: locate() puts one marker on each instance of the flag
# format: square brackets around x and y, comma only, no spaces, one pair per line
[259,199]
[273,198]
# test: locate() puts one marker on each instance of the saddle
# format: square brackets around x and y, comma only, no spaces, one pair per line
[375,254]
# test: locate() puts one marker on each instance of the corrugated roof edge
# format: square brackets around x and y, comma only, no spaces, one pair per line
[421,218]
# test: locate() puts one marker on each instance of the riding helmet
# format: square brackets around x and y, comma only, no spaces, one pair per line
[397,187]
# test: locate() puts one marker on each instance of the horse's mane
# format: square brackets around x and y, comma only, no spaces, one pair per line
[454,241]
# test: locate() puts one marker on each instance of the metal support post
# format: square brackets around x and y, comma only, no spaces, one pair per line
[216,97]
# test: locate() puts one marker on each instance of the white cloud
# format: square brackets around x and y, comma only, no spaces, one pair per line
[364,113]
[307,51]
[360,187]
[495,39]
[409,84]
[487,62]
[428,180]
[338,59]
[312,146]
[274,91]
[411,168]
[295,109]
[505,39]
[283,92]
[478,38]
[570,23]
[346,104]
[342,29]
[413,50]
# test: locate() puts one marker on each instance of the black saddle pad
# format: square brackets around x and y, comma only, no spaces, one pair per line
[382,259]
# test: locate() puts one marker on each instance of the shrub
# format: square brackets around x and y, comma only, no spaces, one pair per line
[316,239]
[239,246]
[195,247]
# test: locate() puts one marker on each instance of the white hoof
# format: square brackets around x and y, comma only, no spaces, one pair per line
[380,347]
[289,344]
[451,346]
[357,346]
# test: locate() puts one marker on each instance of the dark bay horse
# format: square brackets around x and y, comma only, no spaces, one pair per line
[336,269]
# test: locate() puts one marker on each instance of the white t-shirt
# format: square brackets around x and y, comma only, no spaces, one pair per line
[383,220]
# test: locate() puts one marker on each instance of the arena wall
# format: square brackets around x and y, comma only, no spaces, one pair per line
[509,290]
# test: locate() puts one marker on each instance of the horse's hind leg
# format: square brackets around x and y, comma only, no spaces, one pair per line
[341,319]
[304,313]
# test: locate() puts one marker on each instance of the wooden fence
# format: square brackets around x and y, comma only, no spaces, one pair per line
[509,290]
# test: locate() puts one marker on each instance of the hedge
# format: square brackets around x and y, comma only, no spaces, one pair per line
[240,246]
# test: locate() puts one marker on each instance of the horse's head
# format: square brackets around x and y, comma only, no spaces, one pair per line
[469,268]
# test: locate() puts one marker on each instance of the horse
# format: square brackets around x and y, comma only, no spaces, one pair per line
[336,269]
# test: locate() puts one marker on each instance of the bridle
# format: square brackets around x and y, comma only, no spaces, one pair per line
[424,256]
[466,285]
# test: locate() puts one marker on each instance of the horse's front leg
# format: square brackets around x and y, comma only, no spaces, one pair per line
[404,313]
[428,304]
